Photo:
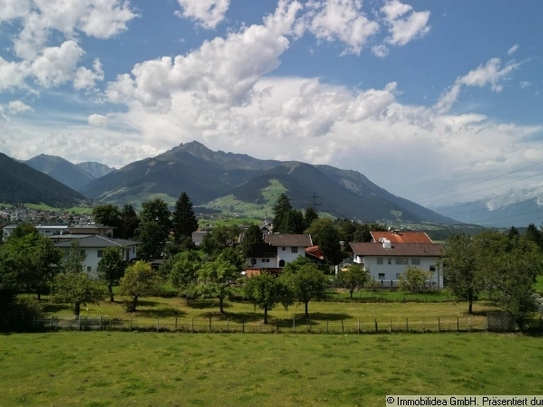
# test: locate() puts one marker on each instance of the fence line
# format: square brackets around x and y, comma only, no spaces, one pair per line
[197,325]
[300,325]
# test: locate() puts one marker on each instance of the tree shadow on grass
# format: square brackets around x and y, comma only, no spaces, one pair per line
[146,303]
[240,317]
[207,303]
[162,312]
[314,317]
[54,308]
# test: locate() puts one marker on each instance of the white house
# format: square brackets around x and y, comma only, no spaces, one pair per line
[278,250]
[94,246]
[386,261]
[46,230]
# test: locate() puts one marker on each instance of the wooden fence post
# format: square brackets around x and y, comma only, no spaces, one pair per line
[389,326]
[376,328]
[131,323]
[158,324]
[326,326]
[469,323]
[457,325]
[243,326]
[293,324]
[175,329]
[210,324]
[438,325]
[359,327]
[342,327]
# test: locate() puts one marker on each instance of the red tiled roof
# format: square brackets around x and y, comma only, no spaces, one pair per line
[398,249]
[315,251]
[291,240]
[401,237]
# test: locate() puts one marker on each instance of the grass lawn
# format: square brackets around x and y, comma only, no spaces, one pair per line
[167,369]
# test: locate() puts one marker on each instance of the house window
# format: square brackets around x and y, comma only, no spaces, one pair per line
[82,252]
[379,260]
[432,268]
[284,248]
[389,260]
[398,260]
[100,253]
[415,261]
[381,276]
[294,250]
[281,263]
[89,269]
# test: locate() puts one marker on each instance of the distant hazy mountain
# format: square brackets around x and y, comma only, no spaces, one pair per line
[515,208]
[206,175]
[21,183]
[95,170]
[61,170]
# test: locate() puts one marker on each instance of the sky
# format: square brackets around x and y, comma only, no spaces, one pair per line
[434,101]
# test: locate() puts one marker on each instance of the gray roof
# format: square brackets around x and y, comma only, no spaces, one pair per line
[275,239]
[92,241]
[397,249]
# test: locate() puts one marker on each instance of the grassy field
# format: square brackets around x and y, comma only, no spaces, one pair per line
[326,316]
[165,369]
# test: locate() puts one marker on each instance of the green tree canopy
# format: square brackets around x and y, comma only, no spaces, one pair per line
[217,279]
[281,208]
[305,281]
[129,222]
[111,268]
[460,269]
[78,289]
[414,279]
[107,214]
[73,258]
[265,291]
[183,273]
[184,220]
[139,280]
[353,277]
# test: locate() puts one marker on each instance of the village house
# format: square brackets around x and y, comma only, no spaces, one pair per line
[93,246]
[278,250]
[386,259]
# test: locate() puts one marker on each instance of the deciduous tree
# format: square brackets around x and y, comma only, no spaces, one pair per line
[111,268]
[305,281]
[217,279]
[353,277]
[77,288]
[139,280]
[265,291]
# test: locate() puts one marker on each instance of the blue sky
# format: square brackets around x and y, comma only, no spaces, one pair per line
[434,101]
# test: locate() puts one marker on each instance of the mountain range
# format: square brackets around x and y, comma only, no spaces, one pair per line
[207,175]
[214,177]
[513,208]
[20,183]
[76,176]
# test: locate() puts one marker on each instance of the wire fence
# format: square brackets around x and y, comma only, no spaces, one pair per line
[492,322]
[309,326]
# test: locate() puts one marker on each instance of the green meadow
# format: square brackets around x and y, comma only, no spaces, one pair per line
[71,368]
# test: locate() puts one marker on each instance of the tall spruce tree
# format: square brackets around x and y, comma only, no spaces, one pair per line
[183,218]
[281,209]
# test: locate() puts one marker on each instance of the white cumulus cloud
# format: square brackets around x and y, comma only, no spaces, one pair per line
[404,24]
[98,120]
[340,20]
[17,107]
[207,13]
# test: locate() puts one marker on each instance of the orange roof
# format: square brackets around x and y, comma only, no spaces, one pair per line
[401,237]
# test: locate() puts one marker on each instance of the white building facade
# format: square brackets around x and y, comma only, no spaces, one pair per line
[387,261]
